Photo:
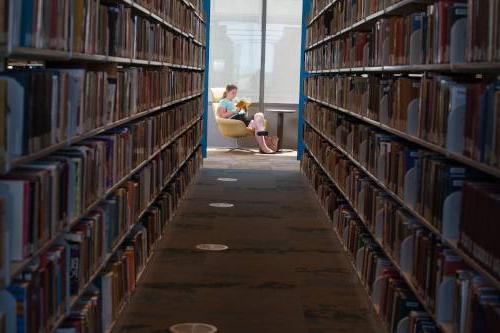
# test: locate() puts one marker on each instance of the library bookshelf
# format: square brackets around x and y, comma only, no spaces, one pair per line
[358,134]
[150,116]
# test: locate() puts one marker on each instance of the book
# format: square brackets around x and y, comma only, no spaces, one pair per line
[4,249]
[482,198]
[3,120]
[3,23]
[243,104]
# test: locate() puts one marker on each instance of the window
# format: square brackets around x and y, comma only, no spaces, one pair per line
[235,45]
[283,34]
[259,51]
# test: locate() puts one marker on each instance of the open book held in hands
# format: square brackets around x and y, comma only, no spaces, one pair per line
[243,105]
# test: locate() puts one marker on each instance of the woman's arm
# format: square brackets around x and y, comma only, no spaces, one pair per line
[223,113]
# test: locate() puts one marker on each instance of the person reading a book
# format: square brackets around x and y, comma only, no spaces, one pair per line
[229,108]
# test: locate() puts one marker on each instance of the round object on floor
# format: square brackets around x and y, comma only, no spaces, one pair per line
[193,328]
[212,247]
[221,205]
[227,179]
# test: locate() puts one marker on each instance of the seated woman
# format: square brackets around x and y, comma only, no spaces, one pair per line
[228,109]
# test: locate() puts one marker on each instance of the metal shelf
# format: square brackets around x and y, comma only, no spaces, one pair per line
[51,55]
[475,68]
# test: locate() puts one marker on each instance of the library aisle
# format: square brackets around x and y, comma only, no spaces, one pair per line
[284,271]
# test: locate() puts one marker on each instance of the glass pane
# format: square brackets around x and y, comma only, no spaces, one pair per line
[283,37]
[235,39]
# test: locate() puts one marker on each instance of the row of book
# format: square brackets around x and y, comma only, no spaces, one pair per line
[108,298]
[317,6]
[199,7]
[95,28]
[431,267]
[41,108]
[44,196]
[155,42]
[422,179]
[459,114]
[343,14]
[392,298]
[432,36]
[428,183]
[179,14]
[95,265]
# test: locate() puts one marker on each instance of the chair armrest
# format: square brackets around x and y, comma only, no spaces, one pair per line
[233,128]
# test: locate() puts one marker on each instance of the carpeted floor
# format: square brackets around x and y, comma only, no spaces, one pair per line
[284,271]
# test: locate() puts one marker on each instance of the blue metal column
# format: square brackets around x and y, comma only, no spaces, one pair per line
[306,7]
[204,141]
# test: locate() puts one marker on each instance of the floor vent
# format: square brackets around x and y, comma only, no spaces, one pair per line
[227,179]
[193,328]
[221,205]
[212,247]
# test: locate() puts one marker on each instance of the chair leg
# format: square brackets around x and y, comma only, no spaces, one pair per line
[239,148]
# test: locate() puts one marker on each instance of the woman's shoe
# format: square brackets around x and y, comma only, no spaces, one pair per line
[269,152]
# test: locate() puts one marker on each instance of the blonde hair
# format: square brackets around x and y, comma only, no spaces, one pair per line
[229,87]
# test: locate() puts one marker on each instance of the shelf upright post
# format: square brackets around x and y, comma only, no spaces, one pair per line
[306,8]
[204,143]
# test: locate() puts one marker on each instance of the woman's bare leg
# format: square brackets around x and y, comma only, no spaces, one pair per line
[259,125]
[251,125]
